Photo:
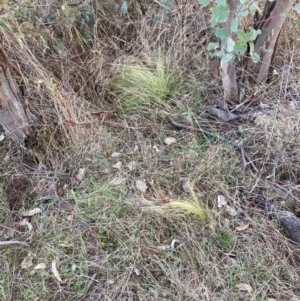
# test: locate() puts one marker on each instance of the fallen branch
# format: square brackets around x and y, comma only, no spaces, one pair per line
[212,135]
[13,242]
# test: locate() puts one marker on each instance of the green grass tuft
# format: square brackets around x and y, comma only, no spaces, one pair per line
[146,84]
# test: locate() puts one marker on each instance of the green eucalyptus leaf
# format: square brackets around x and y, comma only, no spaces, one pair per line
[212,46]
[297,8]
[73,19]
[159,15]
[222,34]
[221,2]
[86,16]
[218,53]
[219,14]
[124,8]
[242,11]
[255,57]
[166,3]
[250,35]
[203,2]
[51,18]
[240,47]
[66,9]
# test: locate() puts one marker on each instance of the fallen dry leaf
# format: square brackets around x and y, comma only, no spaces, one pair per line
[172,246]
[6,158]
[32,212]
[80,175]
[155,148]
[186,187]
[244,287]
[60,190]
[226,223]
[132,165]
[118,165]
[106,149]
[231,211]
[116,155]
[164,247]
[56,274]
[242,228]
[154,292]
[27,262]
[70,217]
[170,140]
[104,115]
[2,136]
[221,201]
[24,222]
[141,185]
[117,181]
[55,271]
[40,266]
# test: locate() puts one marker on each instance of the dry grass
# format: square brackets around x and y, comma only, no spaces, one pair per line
[110,240]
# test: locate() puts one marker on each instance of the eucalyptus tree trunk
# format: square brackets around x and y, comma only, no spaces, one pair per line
[228,72]
[15,116]
[270,23]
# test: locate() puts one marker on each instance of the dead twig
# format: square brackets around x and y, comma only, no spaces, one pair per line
[212,135]
[285,190]
[88,287]
[273,166]
[13,242]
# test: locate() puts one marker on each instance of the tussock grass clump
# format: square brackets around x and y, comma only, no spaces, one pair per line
[146,83]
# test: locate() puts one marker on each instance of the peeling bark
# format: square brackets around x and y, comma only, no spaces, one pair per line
[15,117]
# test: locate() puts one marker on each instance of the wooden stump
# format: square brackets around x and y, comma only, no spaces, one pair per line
[15,116]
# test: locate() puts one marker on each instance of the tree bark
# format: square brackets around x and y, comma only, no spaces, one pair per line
[270,23]
[15,117]
[228,72]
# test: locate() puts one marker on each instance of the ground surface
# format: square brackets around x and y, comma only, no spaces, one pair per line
[113,201]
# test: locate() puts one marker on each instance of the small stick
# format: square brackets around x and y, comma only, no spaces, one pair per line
[88,287]
[13,242]
[11,229]
[212,135]
[288,192]
[248,99]
[275,163]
